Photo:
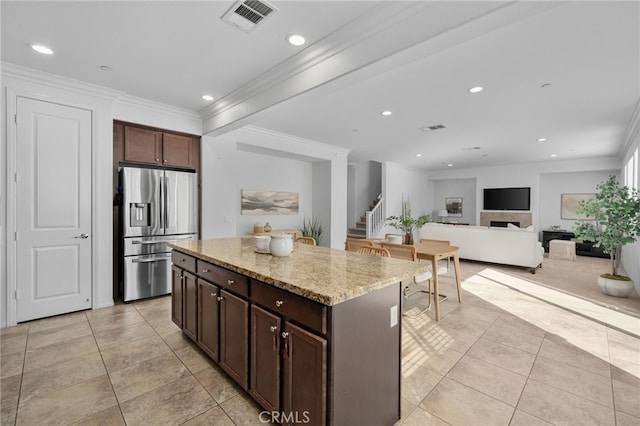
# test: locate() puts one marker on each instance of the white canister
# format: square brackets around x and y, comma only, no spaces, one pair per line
[281,245]
[262,243]
[395,239]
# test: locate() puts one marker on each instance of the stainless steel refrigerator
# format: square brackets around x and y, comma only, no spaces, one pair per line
[158,206]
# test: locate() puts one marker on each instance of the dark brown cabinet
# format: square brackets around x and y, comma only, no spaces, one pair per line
[143,145]
[234,337]
[304,382]
[208,318]
[190,305]
[265,358]
[176,296]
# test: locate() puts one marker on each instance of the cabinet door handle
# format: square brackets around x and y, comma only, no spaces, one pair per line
[285,347]
[157,160]
[229,282]
[219,298]
[213,294]
[278,304]
[273,328]
[204,271]
[285,334]
[164,161]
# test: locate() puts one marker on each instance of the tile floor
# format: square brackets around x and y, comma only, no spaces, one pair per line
[499,358]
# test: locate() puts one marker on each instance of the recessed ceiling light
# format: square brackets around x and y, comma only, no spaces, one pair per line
[105,67]
[42,49]
[449,165]
[553,155]
[296,40]
[542,139]
[476,89]
[387,112]
[207,97]
[545,85]
[418,155]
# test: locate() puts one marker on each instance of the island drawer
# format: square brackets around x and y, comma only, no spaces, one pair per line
[229,280]
[184,261]
[303,311]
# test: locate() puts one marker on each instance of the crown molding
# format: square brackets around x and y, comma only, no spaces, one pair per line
[631,132]
[330,151]
[141,103]
[31,75]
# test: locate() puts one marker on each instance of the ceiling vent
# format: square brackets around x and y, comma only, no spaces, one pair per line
[434,127]
[248,14]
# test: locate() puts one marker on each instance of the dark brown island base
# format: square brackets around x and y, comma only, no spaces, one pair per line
[313,337]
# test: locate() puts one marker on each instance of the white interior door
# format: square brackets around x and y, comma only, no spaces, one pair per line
[53,209]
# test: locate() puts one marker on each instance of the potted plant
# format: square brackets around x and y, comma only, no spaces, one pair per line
[407,224]
[312,228]
[614,216]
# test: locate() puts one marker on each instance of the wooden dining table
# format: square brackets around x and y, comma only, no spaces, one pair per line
[434,252]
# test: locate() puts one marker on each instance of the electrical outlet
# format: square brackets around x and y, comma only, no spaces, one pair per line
[393,320]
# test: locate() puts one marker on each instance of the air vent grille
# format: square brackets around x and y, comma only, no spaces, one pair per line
[434,127]
[246,15]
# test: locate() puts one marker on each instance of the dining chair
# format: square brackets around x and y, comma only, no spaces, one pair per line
[306,240]
[377,251]
[353,244]
[441,270]
[409,252]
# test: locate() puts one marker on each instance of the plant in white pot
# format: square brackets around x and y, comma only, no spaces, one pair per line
[614,220]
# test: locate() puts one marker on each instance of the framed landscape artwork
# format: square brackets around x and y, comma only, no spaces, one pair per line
[569,203]
[269,202]
[454,206]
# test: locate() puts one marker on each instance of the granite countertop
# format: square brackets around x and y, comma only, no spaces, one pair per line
[328,276]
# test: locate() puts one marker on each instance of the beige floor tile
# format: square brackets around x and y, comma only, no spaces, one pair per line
[458,404]
[496,382]
[162,323]
[59,352]
[104,313]
[417,382]
[130,353]
[419,417]
[61,375]
[146,376]
[12,345]
[68,404]
[515,332]
[16,330]
[471,320]
[406,408]
[626,396]
[623,419]
[439,361]
[109,417]
[9,393]
[219,385]
[194,358]
[173,403]
[123,334]
[213,417]
[55,322]
[11,364]
[175,339]
[115,319]
[572,379]
[59,334]
[624,351]
[520,418]
[558,349]
[507,357]
[436,337]
[243,410]
[560,407]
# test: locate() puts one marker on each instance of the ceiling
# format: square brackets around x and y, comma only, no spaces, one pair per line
[565,71]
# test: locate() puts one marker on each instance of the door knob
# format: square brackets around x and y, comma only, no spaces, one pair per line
[83,236]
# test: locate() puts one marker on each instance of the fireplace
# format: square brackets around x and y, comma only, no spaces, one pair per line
[523,218]
[503,224]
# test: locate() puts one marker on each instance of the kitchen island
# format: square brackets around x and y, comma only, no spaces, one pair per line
[313,337]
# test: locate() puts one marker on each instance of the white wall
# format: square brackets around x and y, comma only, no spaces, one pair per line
[456,188]
[254,158]
[631,252]
[553,185]
[106,105]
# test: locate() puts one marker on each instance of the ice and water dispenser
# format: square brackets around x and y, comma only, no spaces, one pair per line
[139,214]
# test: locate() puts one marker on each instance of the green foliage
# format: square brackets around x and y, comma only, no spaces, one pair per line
[407,223]
[312,228]
[615,212]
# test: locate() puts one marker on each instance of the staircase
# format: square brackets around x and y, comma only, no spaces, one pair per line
[372,221]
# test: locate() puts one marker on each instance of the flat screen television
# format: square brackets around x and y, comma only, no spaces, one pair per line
[507,198]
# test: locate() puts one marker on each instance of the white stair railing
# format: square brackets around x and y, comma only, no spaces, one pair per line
[375,218]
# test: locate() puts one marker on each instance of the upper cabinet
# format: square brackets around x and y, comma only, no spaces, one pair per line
[149,146]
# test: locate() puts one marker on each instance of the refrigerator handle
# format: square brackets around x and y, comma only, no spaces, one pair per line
[162,201]
[166,208]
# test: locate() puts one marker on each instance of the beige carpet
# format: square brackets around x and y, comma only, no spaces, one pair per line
[576,278]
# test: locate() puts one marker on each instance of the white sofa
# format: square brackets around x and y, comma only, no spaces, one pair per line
[519,247]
